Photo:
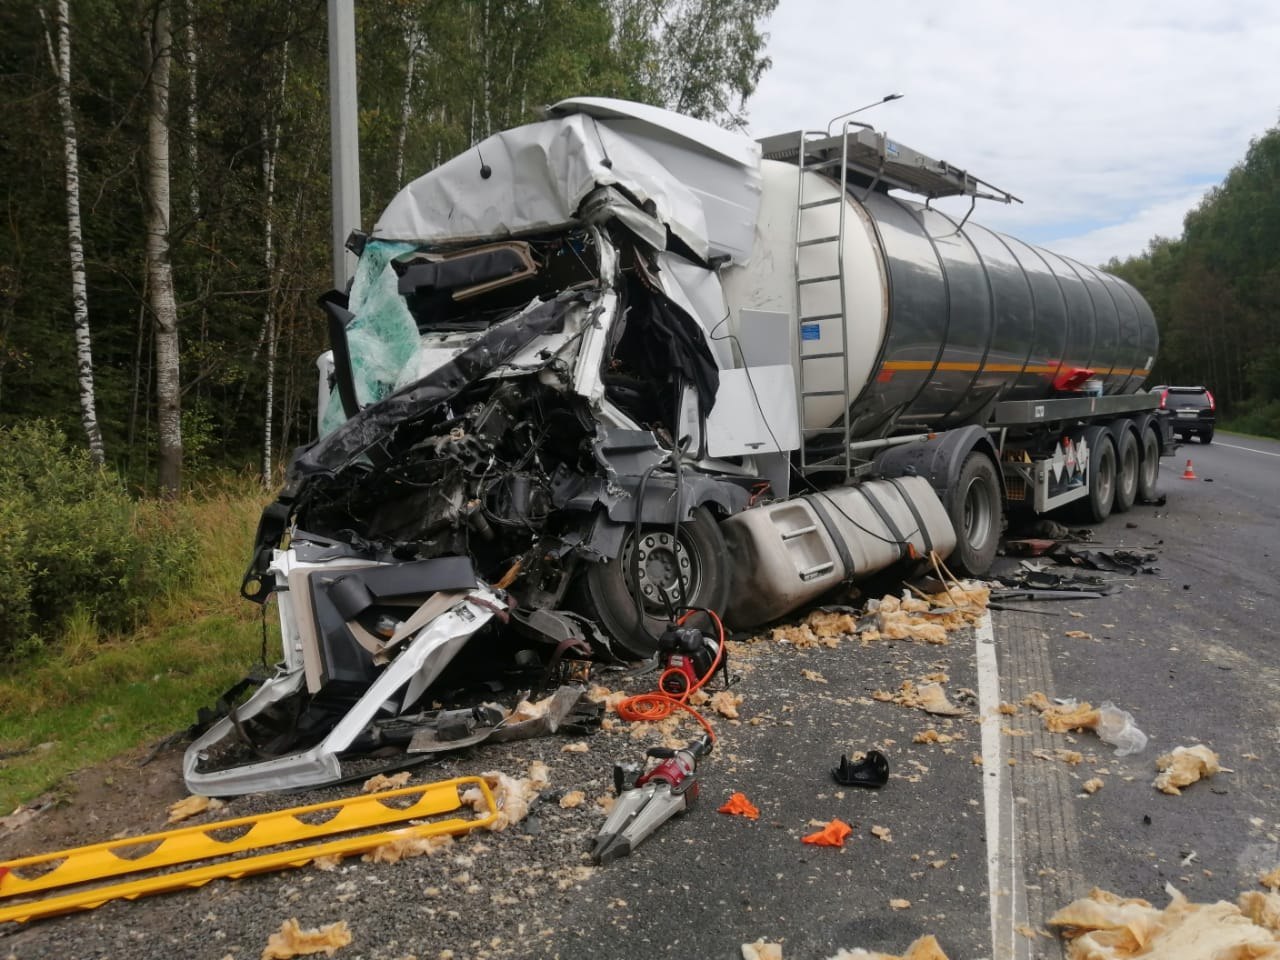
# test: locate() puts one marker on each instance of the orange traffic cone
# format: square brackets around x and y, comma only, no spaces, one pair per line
[1189,474]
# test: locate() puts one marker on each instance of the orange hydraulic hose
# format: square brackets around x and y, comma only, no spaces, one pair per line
[658,705]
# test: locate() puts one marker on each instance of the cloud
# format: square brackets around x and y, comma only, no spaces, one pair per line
[1101,117]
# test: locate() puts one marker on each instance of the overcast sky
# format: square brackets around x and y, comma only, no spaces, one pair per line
[1109,120]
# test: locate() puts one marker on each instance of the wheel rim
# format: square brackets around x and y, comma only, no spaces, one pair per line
[660,556]
[1150,461]
[1106,478]
[1129,469]
[977,514]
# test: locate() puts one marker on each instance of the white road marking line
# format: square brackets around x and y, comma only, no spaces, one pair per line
[1236,446]
[1003,879]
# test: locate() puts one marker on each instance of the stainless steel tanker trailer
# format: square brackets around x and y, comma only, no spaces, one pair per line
[618,363]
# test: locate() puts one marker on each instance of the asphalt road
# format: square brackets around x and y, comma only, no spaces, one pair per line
[984,853]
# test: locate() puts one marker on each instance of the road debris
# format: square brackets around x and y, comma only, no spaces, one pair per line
[831,835]
[73,871]
[1271,879]
[191,806]
[380,782]
[762,950]
[511,795]
[884,833]
[928,697]
[739,806]
[1092,785]
[871,770]
[292,941]
[1104,926]
[406,848]
[1109,722]
[899,904]
[930,735]
[1184,766]
[726,703]
[924,948]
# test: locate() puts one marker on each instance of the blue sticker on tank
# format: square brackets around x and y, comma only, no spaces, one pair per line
[810,331]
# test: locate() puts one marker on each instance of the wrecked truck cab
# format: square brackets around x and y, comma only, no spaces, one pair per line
[542,389]
[526,434]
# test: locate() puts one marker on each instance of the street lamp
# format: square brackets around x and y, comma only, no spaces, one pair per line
[875,103]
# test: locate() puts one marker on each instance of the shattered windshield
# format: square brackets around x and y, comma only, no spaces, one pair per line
[411,308]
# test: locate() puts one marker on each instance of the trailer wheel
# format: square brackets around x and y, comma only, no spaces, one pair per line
[1128,466]
[1149,470]
[975,513]
[1096,507]
[699,554]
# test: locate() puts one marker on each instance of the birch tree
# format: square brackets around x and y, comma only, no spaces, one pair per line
[193,145]
[271,150]
[159,267]
[413,40]
[61,63]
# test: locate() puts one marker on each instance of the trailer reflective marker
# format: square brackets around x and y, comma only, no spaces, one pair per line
[80,866]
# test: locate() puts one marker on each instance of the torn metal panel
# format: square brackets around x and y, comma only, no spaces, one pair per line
[537,177]
[720,167]
[400,682]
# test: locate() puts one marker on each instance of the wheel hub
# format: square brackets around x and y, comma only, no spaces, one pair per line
[660,562]
[977,515]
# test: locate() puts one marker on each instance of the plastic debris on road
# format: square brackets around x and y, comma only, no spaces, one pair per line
[1109,722]
[1104,926]
[832,835]
[292,941]
[739,806]
[1183,766]
[1116,727]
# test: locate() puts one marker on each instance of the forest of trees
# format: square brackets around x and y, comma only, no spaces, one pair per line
[165,176]
[1216,292]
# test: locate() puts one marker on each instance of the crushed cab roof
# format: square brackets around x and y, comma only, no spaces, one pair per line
[701,182]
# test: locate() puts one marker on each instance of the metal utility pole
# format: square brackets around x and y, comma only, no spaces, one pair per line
[344,135]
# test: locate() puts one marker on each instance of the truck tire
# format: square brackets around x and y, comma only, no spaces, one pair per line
[1128,467]
[605,593]
[975,513]
[1096,507]
[1149,467]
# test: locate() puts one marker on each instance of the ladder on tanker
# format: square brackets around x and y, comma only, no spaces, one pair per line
[817,453]
[867,160]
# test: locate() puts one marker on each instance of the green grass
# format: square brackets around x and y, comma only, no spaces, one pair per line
[97,697]
[1261,420]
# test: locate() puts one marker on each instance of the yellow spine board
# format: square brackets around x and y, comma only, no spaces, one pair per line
[81,865]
